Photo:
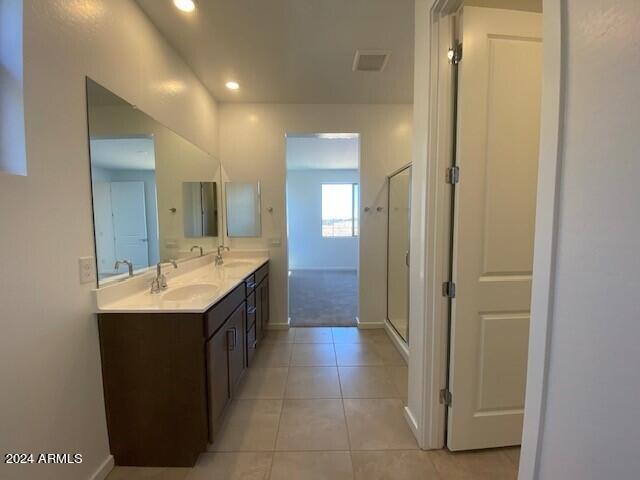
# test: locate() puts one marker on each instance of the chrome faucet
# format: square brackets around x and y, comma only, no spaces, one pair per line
[197,247]
[159,283]
[219,260]
[125,262]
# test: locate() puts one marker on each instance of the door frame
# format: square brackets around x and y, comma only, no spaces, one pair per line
[428,353]
[303,133]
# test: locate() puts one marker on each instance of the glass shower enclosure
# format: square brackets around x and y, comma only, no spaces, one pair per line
[398,250]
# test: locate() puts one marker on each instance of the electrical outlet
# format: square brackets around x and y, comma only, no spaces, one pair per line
[87,269]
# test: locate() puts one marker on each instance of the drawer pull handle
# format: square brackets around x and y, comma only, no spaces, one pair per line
[252,285]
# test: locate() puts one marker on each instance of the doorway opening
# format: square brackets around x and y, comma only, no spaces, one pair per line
[494,82]
[323,228]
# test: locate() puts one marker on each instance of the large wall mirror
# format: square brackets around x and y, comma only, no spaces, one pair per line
[154,193]
[243,209]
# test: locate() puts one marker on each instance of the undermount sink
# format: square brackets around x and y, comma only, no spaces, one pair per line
[190,292]
[237,264]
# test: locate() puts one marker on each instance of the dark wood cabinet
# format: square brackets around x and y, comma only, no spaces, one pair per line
[236,343]
[168,377]
[219,392]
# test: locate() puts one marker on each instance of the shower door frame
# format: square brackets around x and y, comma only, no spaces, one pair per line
[389,177]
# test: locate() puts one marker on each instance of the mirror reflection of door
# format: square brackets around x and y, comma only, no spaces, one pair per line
[121,225]
[398,252]
[130,222]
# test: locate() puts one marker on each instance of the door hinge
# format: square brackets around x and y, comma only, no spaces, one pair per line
[455,54]
[445,397]
[453,175]
[449,289]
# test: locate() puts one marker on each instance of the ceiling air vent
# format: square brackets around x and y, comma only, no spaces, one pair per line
[370,60]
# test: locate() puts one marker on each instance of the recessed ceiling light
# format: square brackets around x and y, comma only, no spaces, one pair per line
[185,5]
[232,85]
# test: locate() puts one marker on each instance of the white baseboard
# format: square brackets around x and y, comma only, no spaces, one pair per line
[397,341]
[279,326]
[411,421]
[367,325]
[103,470]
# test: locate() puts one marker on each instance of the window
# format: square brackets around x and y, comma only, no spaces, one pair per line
[340,206]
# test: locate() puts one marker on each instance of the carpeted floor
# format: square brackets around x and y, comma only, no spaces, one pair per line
[323,298]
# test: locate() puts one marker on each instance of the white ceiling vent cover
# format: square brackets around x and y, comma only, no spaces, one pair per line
[370,60]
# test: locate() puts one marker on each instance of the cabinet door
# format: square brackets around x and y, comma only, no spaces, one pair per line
[218,379]
[236,340]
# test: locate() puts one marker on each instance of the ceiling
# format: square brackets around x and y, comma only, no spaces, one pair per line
[293,51]
[310,152]
[135,153]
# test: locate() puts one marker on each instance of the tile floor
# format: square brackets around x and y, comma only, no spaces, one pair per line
[326,404]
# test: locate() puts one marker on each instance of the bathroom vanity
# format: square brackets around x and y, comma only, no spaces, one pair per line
[171,362]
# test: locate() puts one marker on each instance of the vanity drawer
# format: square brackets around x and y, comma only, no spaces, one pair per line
[261,273]
[223,309]
[251,344]
[250,284]
[251,310]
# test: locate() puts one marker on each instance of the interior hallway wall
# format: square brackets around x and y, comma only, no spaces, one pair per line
[591,414]
[52,399]
[252,148]
[308,249]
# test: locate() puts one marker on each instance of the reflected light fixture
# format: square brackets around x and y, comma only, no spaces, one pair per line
[185,5]
[232,85]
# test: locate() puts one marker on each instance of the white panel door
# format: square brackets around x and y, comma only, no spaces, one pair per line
[130,222]
[499,95]
[103,220]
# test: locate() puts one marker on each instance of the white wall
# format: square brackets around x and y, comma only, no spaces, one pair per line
[50,374]
[308,249]
[592,415]
[252,147]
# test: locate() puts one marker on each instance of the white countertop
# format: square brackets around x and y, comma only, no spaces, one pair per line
[214,282]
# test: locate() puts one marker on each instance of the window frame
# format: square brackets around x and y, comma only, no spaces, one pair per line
[355,209]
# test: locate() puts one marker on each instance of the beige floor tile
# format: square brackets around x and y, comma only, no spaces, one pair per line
[357,354]
[312,466]
[313,355]
[400,376]
[378,424]
[478,465]
[263,383]
[388,353]
[249,425]
[313,382]
[358,335]
[232,466]
[513,454]
[313,335]
[146,473]
[272,355]
[278,336]
[393,465]
[312,425]
[367,382]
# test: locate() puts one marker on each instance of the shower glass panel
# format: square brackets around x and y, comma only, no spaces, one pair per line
[398,247]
